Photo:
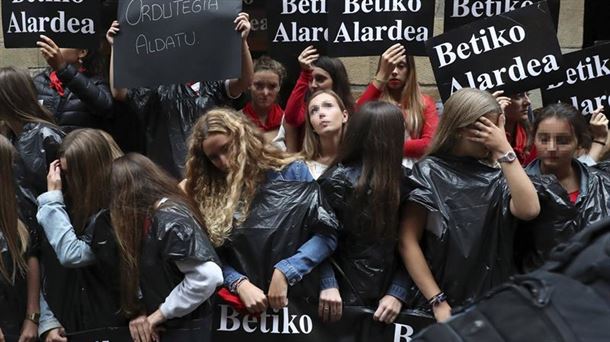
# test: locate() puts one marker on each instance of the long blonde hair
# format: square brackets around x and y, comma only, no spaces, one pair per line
[411,100]
[462,109]
[14,231]
[219,195]
[312,147]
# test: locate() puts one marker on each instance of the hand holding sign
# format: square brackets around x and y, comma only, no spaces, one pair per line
[599,125]
[388,309]
[56,335]
[278,290]
[242,24]
[330,307]
[503,101]
[51,53]
[112,32]
[253,298]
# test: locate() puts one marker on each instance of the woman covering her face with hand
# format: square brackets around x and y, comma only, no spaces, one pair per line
[467,196]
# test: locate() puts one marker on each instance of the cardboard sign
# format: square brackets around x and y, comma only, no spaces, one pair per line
[70,23]
[368,28]
[517,51]
[586,81]
[462,12]
[178,41]
[297,322]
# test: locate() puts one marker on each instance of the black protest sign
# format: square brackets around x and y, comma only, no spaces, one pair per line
[367,28]
[178,41]
[462,12]
[70,23]
[300,322]
[586,82]
[515,52]
[296,24]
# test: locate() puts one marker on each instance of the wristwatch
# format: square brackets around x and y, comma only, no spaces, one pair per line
[508,157]
[34,317]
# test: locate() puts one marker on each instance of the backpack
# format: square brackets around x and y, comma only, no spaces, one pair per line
[567,299]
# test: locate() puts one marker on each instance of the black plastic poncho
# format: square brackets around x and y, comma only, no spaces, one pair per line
[282,217]
[560,219]
[13,295]
[468,240]
[37,146]
[86,297]
[364,264]
[173,235]
[169,113]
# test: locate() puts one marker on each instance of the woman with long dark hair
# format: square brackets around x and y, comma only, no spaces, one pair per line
[168,268]
[262,211]
[466,197]
[72,213]
[317,73]
[363,186]
[19,279]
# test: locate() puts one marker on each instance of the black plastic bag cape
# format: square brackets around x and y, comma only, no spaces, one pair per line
[283,216]
[173,235]
[169,113]
[468,240]
[82,298]
[559,218]
[13,294]
[37,146]
[364,264]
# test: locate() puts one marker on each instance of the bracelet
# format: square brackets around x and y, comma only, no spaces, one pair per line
[380,81]
[438,299]
[600,142]
[33,317]
[236,284]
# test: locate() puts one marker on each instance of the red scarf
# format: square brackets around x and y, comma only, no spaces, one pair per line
[56,83]
[520,144]
[274,117]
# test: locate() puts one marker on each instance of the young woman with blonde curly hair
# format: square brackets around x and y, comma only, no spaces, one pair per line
[233,177]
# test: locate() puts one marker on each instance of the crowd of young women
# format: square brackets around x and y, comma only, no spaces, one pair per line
[374,202]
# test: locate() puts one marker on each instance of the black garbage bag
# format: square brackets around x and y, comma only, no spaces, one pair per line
[567,299]
[13,295]
[364,264]
[560,219]
[282,217]
[37,146]
[86,297]
[468,241]
[169,113]
[173,235]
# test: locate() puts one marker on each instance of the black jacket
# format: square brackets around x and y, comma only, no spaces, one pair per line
[87,100]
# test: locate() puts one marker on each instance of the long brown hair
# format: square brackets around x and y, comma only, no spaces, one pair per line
[18,98]
[137,186]
[462,109]
[89,154]
[217,194]
[411,100]
[311,143]
[14,231]
[374,138]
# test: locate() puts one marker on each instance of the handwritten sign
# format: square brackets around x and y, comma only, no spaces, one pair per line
[70,23]
[178,41]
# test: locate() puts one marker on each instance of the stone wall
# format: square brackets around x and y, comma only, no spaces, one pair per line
[362,69]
